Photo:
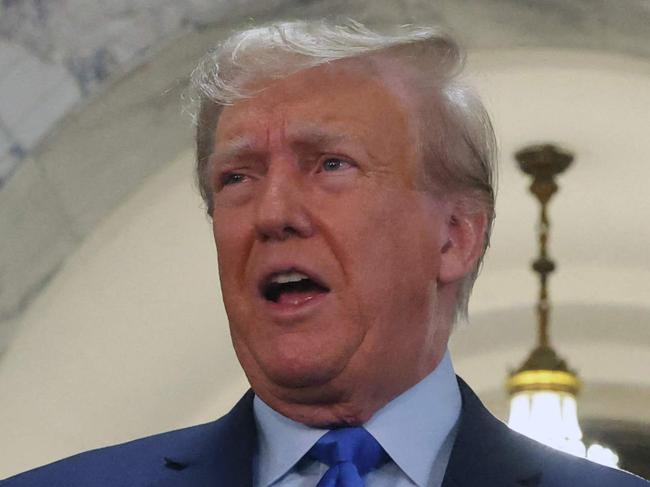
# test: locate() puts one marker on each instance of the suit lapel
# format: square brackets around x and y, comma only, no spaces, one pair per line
[221,455]
[486,452]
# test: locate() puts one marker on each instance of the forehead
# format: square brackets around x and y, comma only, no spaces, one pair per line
[342,98]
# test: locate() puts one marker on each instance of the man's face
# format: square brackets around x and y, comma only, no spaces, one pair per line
[328,249]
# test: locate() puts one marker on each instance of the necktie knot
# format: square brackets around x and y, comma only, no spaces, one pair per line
[350,453]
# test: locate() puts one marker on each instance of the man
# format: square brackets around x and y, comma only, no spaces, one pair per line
[349,179]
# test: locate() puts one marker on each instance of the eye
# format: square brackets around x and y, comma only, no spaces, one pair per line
[332,164]
[232,178]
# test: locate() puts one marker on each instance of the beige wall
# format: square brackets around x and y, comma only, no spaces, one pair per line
[129,339]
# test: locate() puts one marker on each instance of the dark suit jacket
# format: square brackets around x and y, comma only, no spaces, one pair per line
[220,454]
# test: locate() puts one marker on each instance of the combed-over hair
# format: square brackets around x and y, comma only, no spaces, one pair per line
[456,139]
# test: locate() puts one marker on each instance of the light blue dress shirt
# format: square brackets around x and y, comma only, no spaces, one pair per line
[417,429]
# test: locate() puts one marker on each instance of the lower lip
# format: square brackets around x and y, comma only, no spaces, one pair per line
[295,307]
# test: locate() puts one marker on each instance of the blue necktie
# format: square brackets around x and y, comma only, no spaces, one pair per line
[350,453]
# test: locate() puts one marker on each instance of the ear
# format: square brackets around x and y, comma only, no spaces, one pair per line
[463,243]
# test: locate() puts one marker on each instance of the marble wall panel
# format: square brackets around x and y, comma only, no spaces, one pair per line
[22,86]
[8,165]
[5,144]
[10,54]
[61,96]
[36,235]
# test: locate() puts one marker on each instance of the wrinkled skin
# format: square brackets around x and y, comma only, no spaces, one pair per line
[320,170]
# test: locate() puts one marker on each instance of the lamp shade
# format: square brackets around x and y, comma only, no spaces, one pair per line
[549,417]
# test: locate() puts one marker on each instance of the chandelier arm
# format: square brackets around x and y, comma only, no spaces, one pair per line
[543,304]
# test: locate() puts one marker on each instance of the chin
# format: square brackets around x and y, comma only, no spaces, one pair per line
[301,360]
[302,374]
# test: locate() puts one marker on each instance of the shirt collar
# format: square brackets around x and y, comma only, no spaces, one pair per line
[411,428]
[414,425]
[282,442]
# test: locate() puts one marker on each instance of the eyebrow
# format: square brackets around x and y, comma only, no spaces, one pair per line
[315,135]
[309,135]
[312,135]
[234,148]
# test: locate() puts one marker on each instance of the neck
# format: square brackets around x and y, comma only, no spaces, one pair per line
[340,403]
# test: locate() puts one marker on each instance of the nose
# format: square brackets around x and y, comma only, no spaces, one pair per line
[282,210]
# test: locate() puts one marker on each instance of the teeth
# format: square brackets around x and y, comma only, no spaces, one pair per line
[286,277]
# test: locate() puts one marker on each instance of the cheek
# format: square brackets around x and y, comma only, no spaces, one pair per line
[230,237]
[395,247]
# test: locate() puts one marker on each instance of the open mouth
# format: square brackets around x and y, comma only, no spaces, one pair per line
[291,287]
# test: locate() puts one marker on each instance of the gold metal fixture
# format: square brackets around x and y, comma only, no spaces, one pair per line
[543,390]
[543,370]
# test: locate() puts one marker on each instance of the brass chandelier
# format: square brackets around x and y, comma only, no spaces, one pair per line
[543,390]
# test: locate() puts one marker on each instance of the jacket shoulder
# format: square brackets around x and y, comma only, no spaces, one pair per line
[562,469]
[487,449]
[193,456]
[135,463]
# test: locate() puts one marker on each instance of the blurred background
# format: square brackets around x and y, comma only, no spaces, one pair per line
[111,323]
